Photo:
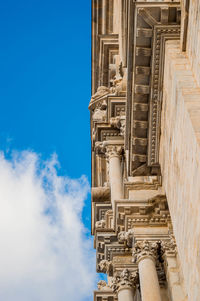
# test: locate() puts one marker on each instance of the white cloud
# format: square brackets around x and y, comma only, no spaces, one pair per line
[44,252]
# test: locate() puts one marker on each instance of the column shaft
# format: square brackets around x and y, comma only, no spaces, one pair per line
[150,289]
[115,175]
[126,294]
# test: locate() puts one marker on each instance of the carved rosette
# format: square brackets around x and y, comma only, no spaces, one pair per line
[126,279]
[145,249]
[106,266]
[127,237]
[169,248]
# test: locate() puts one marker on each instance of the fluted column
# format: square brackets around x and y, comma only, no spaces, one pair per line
[145,254]
[125,285]
[113,154]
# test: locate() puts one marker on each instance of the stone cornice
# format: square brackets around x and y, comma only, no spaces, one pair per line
[152,26]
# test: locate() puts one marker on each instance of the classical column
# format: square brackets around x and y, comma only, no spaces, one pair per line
[115,172]
[145,254]
[125,285]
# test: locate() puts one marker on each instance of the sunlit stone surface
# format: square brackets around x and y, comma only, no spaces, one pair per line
[145,139]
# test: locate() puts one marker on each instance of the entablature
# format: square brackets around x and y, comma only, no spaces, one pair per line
[152,25]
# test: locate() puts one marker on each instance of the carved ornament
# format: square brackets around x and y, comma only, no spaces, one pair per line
[145,249]
[169,248]
[102,285]
[127,237]
[126,279]
[106,266]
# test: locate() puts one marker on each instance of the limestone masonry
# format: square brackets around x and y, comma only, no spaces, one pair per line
[145,139]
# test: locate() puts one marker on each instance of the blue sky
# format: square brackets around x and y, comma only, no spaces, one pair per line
[45,67]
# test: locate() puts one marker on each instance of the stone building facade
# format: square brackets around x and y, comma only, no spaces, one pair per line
[145,135]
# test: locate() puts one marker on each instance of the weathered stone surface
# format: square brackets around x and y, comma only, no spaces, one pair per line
[180,161]
[145,141]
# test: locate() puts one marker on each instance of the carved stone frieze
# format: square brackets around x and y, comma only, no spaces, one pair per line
[125,279]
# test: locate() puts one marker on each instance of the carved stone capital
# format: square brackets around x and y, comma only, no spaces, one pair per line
[126,279]
[169,247]
[127,237]
[106,266]
[113,151]
[145,249]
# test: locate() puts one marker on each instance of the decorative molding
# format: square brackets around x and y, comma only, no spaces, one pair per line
[162,33]
[100,224]
[154,23]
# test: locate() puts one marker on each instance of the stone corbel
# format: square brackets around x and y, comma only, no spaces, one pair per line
[119,122]
[106,266]
[126,237]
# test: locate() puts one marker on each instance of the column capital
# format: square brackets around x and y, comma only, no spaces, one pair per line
[125,280]
[110,148]
[169,247]
[113,151]
[145,249]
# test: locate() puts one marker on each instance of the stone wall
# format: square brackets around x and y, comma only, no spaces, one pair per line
[193,38]
[180,157]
